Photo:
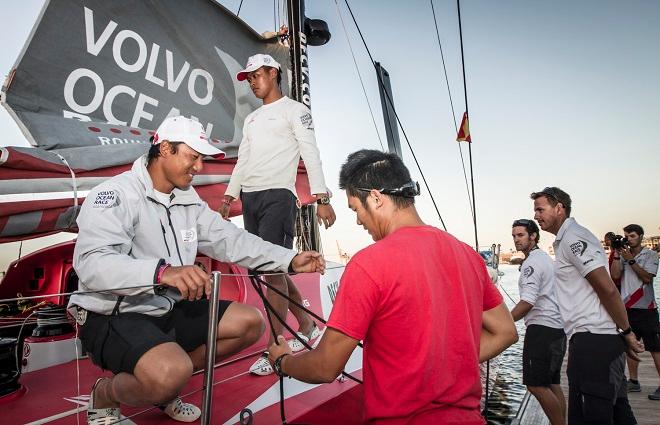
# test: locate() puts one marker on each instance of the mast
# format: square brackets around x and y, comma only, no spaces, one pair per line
[387,102]
[301,32]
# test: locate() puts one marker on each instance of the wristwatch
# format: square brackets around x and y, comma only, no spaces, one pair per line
[277,365]
[631,262]
[323,200]
[624,332]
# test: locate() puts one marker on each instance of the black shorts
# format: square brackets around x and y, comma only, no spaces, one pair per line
[271,215]
[646,326]
[543,354]
[597,392]
[116,343]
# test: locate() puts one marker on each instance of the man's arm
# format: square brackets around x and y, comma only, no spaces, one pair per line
[321,365]
[520,310]
[611,300]
[105,239]
[616,268]
[638,268]
[497,332]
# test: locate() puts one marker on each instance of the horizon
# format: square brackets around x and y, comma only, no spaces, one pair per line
[562,94]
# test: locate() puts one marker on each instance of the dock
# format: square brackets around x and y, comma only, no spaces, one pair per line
[646,411]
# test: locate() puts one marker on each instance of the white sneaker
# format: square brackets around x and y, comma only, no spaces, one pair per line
[296,345]
[180,411]
[262,366]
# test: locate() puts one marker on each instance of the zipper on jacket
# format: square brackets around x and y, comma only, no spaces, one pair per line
[169,254]
[176,243]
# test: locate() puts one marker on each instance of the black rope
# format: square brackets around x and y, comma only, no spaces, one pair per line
[255,282]
[292,301]
[451,103]
[396,115]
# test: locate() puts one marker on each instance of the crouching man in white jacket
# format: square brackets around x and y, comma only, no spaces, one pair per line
[145,227]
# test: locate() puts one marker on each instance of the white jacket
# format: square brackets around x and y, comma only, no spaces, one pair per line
[125,233]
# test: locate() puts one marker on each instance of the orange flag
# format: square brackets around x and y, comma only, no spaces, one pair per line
[464,131]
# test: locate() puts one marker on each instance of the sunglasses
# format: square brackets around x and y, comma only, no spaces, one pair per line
[408,190]
[521,222]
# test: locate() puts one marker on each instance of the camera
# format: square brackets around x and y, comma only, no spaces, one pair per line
[618,241]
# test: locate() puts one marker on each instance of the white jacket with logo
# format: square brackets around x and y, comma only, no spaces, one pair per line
[125,233]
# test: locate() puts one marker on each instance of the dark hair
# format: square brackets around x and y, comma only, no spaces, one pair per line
[609,236]
[555,195]
[634,228]
[530,226]
[154,150]
[374,169]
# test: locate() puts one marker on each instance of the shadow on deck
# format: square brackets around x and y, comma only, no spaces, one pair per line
[646,411]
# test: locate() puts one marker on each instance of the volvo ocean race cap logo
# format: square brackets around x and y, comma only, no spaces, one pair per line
[578,248]
[528,271]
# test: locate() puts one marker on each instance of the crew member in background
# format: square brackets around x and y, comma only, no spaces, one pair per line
[607,239]
[545,340]
[636,266]
[275,137]
[595,319]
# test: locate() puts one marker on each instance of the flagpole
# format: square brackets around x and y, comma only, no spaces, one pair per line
[474,206]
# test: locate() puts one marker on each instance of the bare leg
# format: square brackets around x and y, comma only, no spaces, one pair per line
[241,326]
[158,377]
[304,321]
[633,366]
[556,390]
[279,303]
[549,403]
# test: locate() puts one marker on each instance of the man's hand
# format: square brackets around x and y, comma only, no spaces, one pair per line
[308,262]
[625,253]
[278,348]
[191,281]
[633,346]
[226,206]
[326,215]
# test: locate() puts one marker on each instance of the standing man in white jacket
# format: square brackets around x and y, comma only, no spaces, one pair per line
[275,137]
[139,303]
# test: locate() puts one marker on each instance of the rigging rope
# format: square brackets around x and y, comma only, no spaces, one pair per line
[239,8]
[451,103]
[396,115]
[357,69]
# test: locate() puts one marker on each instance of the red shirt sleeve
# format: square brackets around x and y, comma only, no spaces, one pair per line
[357,301]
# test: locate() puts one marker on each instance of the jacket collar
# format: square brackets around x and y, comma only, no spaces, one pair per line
[181,197]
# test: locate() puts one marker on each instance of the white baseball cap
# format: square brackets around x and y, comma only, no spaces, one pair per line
[188,131]
[255,62]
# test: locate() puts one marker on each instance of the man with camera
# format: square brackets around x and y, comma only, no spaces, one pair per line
[636,266]
[595,319]
[545,340]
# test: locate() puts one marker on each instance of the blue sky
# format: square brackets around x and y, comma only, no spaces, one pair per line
[563,93]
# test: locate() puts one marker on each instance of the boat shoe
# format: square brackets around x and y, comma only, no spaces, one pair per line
[103,415]
[180,411]
[262,366]
[295,343]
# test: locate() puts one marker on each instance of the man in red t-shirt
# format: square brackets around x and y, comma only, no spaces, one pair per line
[420,300]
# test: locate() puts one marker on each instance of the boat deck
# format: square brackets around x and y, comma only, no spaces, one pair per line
[646,411]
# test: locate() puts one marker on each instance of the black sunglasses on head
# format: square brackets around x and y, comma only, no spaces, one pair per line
[408,190]
[521,222]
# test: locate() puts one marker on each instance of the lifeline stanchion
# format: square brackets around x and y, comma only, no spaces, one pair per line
[210,349]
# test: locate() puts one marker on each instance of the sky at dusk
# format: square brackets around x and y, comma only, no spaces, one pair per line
[563,93]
